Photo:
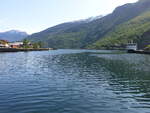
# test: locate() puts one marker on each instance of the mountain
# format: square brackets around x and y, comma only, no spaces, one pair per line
[125,23]
[66,35]
[13,35]
[136,29]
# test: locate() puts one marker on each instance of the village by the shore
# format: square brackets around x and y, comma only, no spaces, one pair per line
[24,45]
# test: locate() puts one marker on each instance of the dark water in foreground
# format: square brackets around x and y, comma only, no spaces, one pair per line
[74,81]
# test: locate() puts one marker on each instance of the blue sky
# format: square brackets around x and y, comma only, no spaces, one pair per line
[36,15]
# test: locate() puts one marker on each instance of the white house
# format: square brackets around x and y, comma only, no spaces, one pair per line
[4,46]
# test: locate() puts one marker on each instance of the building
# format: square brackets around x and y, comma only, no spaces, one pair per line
[16,44]
[4,44]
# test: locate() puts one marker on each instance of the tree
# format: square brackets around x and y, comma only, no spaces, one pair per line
[37,45]
[26,43]
[40,44]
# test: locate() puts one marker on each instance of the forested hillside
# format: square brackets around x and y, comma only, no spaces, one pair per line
[136,29]
[125,23]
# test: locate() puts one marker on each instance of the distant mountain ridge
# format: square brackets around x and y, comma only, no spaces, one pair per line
[13,35]
[125,23]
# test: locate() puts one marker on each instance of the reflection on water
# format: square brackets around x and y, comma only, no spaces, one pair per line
[74,81]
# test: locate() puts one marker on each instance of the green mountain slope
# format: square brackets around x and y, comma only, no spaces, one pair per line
[99,32]
[134,29]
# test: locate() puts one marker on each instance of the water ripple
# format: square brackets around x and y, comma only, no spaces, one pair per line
[74,81]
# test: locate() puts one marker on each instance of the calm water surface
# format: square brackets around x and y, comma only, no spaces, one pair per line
[74,81]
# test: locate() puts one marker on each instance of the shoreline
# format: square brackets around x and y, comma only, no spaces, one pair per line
[23,49]
[138,51]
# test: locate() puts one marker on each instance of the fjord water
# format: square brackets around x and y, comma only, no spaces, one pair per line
[74,81]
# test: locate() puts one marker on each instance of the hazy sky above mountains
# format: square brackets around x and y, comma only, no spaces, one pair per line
[36,15]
